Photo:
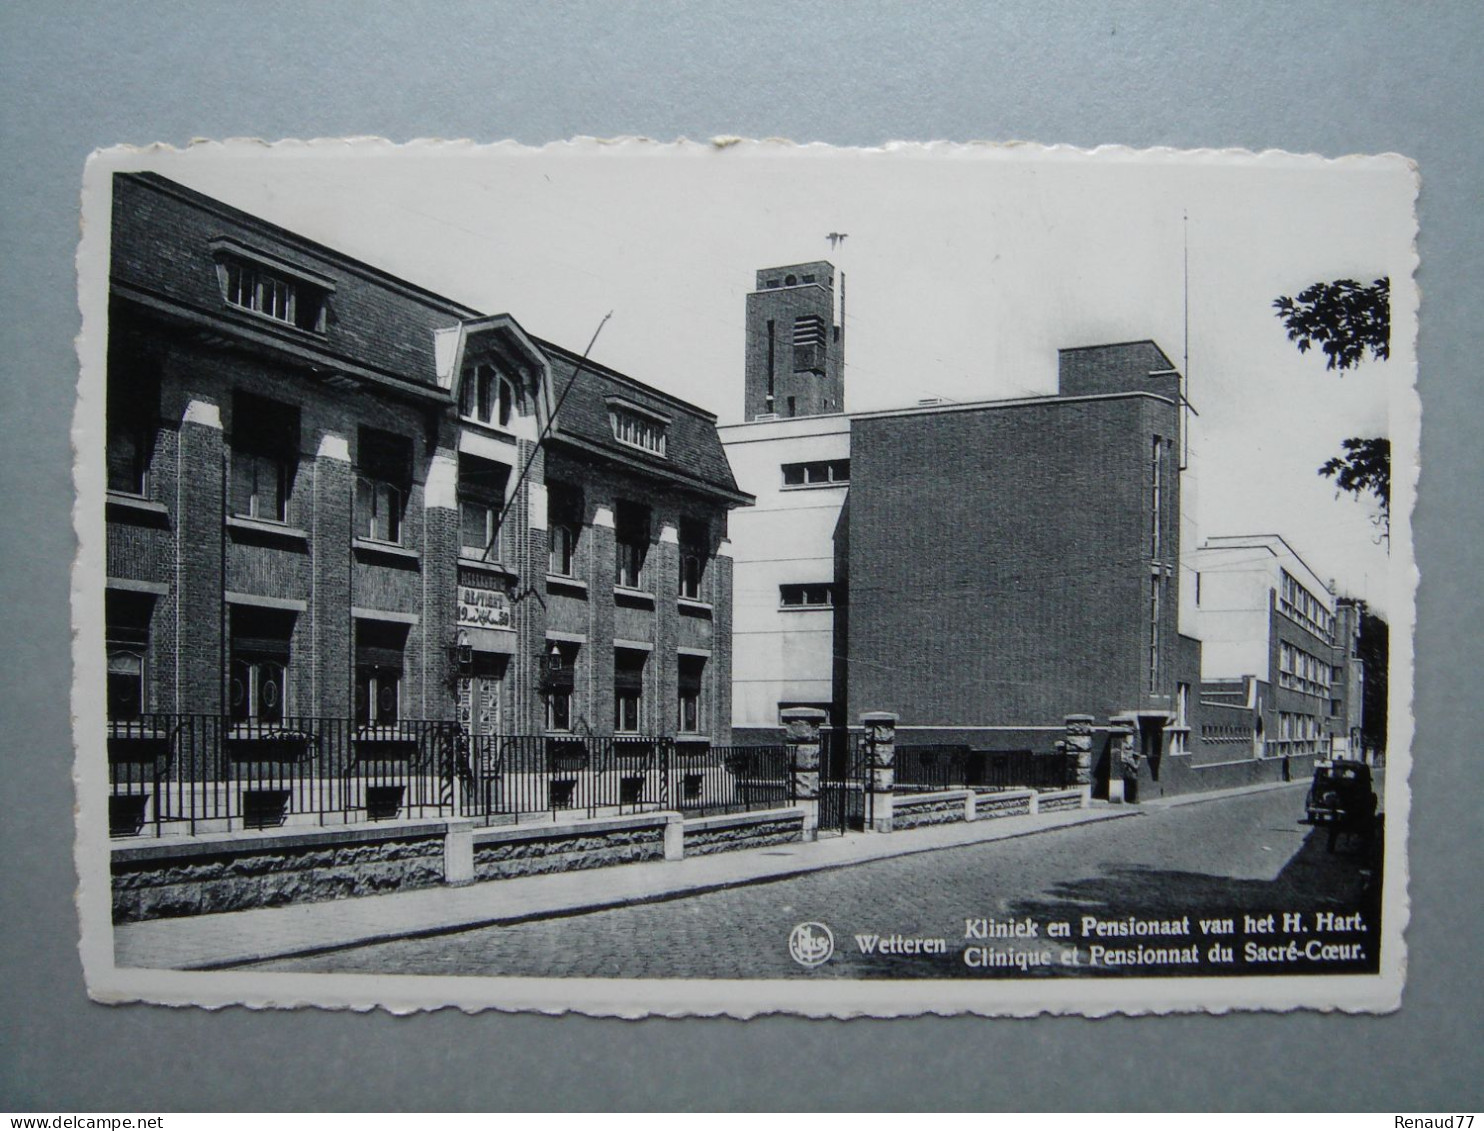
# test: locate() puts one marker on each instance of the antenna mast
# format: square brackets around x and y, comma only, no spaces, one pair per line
[1185,362]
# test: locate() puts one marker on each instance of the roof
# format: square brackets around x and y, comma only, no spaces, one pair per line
[1276,545]
[693,451]
[166,243]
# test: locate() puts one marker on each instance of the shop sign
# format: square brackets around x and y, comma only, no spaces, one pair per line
[484,608]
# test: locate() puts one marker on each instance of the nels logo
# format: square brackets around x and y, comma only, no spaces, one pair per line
[811,944]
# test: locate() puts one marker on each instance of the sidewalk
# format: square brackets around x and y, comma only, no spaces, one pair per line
[207,942]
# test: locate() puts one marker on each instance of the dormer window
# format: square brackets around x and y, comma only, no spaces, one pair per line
[638,427]
[262,286]
[489,397]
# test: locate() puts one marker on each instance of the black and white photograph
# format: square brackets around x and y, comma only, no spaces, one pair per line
[743,577]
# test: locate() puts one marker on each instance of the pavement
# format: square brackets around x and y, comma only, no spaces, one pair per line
[236,938]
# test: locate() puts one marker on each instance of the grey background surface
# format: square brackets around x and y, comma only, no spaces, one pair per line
[1325,77]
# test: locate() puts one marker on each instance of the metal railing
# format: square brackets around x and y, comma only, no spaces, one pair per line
[204,773]
[207,773]
[534,777]
[929,769]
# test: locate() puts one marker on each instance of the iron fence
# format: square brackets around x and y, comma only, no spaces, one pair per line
[932,768]
[207,773]
[203,773]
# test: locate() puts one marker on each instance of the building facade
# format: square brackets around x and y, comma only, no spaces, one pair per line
[337,501]
[795,353]
[1267,621]
[983,570]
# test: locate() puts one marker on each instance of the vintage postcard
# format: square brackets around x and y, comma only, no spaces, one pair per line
[731,578]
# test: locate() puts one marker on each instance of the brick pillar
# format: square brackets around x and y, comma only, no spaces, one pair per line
[881,750]
[330,562]
[801,734]
[200,656]
[595,665]
[719,668]
[1122,757]
[1078,747]
[440,577]
[665,585]
[526,712]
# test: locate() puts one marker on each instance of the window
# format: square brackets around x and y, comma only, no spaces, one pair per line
[379,649]
[563,521]
[382,484]
[1156,492]
[631,532]
[695,549]
[126,619]
[558,678]
[259,666]
[273,294]
[265,450]
[816,473]
[133,418]
[1297,603]
[637,429]
[489,397]
[1153,633]
[628,689]
[689,720]
[819,595]
[809,344]
[481,499]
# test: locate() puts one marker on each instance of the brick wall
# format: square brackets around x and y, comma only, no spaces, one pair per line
[999,564]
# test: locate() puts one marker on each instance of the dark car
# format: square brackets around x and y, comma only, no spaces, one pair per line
[1342,794]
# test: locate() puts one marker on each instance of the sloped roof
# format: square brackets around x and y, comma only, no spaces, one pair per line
[694,453]
[165,238]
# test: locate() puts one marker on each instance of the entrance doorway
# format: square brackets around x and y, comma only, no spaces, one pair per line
[480,695]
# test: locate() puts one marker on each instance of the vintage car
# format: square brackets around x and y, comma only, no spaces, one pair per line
[1341,794]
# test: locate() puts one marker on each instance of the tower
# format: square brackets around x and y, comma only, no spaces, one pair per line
[795,362]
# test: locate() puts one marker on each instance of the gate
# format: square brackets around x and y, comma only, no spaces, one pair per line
[844,782]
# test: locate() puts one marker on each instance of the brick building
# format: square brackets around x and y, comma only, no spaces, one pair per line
[339,504]
[795,352]
[983,570]
[1014,562]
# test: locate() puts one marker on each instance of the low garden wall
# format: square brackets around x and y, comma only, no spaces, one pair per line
[175,876]
[918,810]
[707,835]
[199,875]
[530,850]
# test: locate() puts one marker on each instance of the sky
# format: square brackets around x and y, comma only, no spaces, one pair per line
[967,268]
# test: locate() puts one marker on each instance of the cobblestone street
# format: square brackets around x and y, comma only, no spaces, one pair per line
[1217,858]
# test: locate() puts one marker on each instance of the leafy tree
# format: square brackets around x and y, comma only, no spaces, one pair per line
[1349,322]
[1346,319]
[1375,654]
[1365,467]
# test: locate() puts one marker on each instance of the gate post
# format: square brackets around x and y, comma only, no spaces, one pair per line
[881,750]
[1123,730]
[801,735]
[1078,745]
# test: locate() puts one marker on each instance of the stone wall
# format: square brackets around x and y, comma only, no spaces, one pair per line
[917,812]
[990,805]
[527,851]
[707,835]
[200,875]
